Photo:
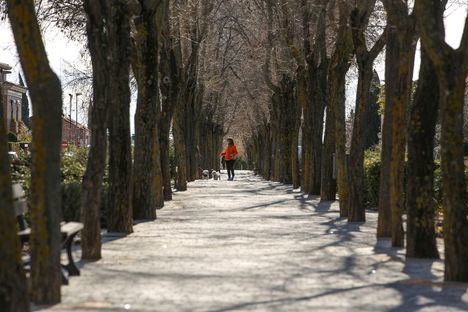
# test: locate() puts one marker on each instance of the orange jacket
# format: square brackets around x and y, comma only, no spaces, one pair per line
[230,152]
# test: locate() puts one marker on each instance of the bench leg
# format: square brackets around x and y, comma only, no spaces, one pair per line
[64,277]
[21,223]
[71,266]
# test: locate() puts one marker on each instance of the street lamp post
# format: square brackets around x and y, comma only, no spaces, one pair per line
[76,120]
[69,120]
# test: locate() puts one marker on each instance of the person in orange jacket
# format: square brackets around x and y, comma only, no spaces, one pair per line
[229,156]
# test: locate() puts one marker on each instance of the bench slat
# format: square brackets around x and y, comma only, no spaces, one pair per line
[71,227]
[18,191]
[67,228]
[21,207]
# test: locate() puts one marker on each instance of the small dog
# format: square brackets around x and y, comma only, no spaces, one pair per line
[216,175]
[205,174]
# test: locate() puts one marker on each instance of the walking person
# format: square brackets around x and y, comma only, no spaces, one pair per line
[229,156]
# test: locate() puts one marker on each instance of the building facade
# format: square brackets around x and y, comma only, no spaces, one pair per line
[11,94]
[74,133]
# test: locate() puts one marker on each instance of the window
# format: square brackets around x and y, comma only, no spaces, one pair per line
[18,114]
[11,110]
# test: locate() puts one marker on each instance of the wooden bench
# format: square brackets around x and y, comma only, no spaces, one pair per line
[21,205]
[69,231]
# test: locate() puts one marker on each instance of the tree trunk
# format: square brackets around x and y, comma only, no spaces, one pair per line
[165,163]
[450,66]
[91,191]
[179,147]
[266,153]
[303,107]
[318,109]
[295,109]
[420,224]
[399,92]
[340,146]
[169,90]
[357,212]
[313,113]
[384,221]
[339,65]
[295,178]
[452,86]
[372,119]
[328,180]
[46,96]
[120,158]
[287,129]
[13,287]
[365,60]
[147,180]
[157,184]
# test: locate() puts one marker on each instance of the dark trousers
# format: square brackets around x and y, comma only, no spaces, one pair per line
[230,168]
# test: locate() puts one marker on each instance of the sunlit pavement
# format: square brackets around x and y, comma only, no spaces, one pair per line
[252,245]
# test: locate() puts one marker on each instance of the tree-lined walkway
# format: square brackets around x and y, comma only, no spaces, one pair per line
[256,245]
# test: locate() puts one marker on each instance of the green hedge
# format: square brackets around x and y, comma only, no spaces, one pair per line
[73,166]
[372,178]
[71,197]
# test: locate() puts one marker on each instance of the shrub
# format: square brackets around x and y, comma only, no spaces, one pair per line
[71,193]
[71,202]
[21,172]
[372,177]
[438,183]
[73,164]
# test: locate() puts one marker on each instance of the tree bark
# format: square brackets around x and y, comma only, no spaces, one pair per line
[170,58]
[147,180]
[339,66]
[384,219]
[451,68]
[318,65]
[318,110]
[365,60]
[420,206]
[328,181]
[91,193]
[294,142]
[399,91]
[372,119]
[357,212]
[340,143]
[46,95]
[120,158]
[13,287]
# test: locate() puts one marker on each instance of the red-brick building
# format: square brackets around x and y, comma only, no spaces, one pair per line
[11,98]
[74,133]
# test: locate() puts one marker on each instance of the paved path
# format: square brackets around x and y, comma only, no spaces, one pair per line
[252,245]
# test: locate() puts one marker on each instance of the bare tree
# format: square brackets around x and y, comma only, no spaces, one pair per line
[13,287]
[91,195]
[147,176]
[365,61]
[451,69]
[400,50]
[46,96]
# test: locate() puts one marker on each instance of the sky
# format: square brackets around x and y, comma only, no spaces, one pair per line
[61,51]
